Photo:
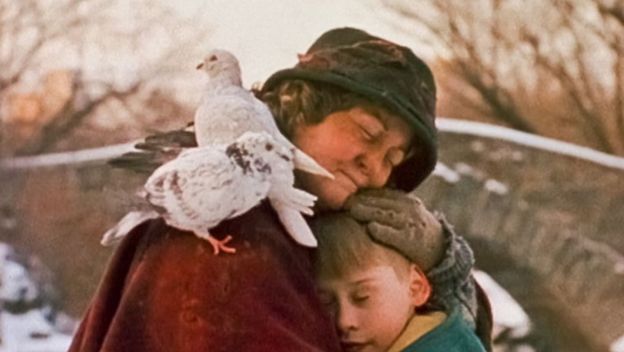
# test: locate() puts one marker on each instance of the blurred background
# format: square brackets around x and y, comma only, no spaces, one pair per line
[531,168]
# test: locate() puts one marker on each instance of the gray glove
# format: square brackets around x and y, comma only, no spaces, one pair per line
[400,221]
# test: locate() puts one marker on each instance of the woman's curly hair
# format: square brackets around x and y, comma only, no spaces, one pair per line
[296,101]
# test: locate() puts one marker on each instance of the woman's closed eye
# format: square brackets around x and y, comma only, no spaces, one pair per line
[370,127]
[370,134]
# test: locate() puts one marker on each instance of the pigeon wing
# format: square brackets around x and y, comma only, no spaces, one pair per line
[202,188]
[125,225]
[222,118]
[155,150]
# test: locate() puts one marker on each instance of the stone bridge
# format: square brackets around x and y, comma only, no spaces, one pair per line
[548,227]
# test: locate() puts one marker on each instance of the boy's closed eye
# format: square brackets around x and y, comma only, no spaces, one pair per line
[359,297]
[362,293]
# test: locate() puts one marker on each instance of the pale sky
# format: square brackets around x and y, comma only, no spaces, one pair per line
[266,34]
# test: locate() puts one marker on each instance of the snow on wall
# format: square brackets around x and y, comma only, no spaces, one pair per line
[444,125]
[446,173]
[530,140]
[92,155]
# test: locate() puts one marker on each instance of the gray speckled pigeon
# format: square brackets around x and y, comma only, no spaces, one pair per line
[227,110]
[206,185]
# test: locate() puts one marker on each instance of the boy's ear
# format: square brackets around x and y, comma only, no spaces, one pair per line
[420,288]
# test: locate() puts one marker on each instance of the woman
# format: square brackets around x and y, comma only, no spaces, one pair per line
[364,109]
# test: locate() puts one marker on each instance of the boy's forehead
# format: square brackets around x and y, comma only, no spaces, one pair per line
[364,275]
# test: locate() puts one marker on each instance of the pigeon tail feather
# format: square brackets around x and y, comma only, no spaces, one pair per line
[125,225]
[295,224]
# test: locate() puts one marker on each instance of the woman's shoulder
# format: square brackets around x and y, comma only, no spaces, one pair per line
[257,233]
[258,223]
[166,282]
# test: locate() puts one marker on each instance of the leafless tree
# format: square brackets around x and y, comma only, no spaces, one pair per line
[548,67]
[133,51]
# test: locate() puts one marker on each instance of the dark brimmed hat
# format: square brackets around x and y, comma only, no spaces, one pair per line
[385,73]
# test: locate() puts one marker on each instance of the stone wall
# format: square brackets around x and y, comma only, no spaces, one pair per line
[58,215]
[557,218]
[548,227]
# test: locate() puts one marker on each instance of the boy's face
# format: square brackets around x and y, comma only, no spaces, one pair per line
[372,306]
[360,148]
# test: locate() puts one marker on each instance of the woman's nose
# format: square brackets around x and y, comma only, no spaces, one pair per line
[372,165]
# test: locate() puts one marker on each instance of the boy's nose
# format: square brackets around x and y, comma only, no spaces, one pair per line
[347,319]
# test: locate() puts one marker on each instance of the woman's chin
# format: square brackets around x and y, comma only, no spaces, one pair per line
[332,194]
[332,201]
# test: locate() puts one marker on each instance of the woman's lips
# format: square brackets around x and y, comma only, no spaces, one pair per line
[349,183]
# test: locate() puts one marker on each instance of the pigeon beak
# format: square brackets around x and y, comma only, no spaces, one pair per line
[305,163]
[200,66]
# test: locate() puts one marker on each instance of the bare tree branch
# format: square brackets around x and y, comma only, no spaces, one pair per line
[68,118]
[618,69]
[495,46]
[31,32]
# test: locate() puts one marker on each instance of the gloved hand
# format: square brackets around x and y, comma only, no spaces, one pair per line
[400,221]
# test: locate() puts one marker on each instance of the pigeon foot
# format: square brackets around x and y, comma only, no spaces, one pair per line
[220,245]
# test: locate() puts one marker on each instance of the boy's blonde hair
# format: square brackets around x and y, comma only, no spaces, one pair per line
[344,245]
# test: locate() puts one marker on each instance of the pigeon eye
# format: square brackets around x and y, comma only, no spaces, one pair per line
[269,146]
[212,58]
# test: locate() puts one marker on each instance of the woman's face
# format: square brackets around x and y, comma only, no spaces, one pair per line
[360,147]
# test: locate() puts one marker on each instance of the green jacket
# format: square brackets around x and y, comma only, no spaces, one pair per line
[452,335]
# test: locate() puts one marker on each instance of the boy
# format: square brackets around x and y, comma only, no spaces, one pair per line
[378,299]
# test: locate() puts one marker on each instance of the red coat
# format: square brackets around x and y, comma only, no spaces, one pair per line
[164,290]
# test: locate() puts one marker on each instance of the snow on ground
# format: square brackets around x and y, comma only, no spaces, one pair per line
[27,328]
[618,345]
[30,332]
[508,314]
[512,325]
[15,282]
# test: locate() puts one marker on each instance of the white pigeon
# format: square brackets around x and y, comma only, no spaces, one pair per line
[206,185]
[227,110]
